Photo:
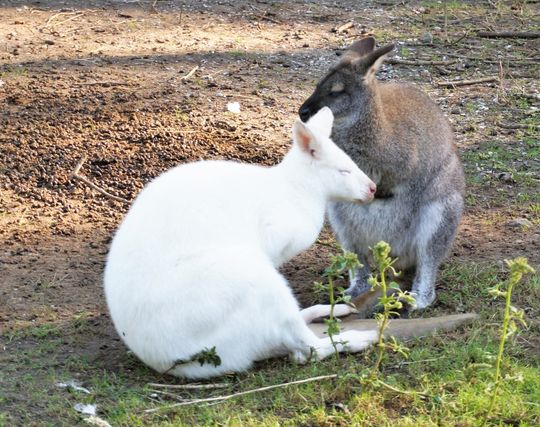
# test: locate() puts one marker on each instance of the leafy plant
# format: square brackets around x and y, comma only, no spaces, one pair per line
[512,316]
[391,302]
[208,355]
[340,264]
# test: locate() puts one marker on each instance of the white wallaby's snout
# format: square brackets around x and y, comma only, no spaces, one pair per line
[362,189]
[370,192]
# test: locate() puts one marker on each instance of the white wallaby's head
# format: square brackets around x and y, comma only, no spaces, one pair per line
[338,174]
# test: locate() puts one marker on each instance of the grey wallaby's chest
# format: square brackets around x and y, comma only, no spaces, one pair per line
[386,166]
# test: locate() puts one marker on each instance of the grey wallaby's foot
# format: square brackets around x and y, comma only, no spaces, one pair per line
[422,301]
[358,286]
[399,137]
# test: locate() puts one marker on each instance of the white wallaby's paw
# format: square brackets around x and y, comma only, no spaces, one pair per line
[358,340]
[341,310]
[320,311]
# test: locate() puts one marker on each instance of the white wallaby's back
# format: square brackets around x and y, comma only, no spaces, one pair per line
[193,265]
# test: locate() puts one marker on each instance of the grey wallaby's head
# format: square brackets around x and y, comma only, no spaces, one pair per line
[343,88]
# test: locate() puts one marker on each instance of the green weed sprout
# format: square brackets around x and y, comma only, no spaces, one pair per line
[512,316]
[391,304]
[339,265]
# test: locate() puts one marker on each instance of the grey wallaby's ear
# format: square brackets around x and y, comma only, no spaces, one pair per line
[370,63]
[360,48]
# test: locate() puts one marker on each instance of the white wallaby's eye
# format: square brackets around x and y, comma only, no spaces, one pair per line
[344,172]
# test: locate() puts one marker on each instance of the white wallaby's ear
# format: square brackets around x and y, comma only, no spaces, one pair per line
[322,122]
[304,138]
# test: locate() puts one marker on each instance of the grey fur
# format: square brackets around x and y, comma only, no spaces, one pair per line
[402,140]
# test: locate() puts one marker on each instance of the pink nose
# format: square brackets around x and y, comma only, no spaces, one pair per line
[372,189]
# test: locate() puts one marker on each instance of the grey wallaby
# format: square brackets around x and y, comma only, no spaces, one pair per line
[404,143]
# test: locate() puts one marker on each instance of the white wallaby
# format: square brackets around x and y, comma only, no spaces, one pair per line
[193,266]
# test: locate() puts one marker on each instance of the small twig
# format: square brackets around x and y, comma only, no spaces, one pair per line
[243,393]
[509,61]
[518,126]
[263,14]
[467,82]
[172,395]
[67,20]
[412,362]
[397,390]
[76,175]
[418,62]
[268,18]
[343,28]
[455,42]
[189,386]
[508,35]
[188,75]
[52,17]
[104,83]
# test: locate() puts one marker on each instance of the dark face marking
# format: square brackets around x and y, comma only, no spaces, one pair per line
[335,91]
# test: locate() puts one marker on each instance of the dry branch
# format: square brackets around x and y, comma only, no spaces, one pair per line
[508,35]
[76,175]
[67,20]
[468,82]
[343,28]
[418,62]
[189,386]
[518,126]
[242,393]
[188,75]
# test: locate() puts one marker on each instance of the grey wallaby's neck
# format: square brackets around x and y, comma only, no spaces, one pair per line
[364,135]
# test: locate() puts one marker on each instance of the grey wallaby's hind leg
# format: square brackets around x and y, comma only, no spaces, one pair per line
[401,328]
[367,303]
[358,281]
[432,249]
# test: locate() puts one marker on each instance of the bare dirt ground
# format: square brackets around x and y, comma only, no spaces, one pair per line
[106,80]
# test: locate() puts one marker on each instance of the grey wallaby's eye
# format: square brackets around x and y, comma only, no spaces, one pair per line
[344,172]
[337,87]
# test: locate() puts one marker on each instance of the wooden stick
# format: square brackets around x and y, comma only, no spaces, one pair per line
[67,20]
[510,61]
[468,82]
[508,35]
[242,393]
[343,28]
[172,395]
[76,175]
[53,17]
[189,386]
[418,62]
[400,328]
[518,126]
[188,75]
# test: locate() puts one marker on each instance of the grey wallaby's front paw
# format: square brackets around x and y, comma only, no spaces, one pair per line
[422,300]
[357,289]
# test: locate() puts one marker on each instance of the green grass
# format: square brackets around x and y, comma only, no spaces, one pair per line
[9,71]
[452,369]
[521,159]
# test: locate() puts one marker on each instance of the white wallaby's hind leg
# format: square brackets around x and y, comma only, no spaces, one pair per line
[323,310]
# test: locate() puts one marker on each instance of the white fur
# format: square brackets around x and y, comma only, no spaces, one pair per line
[193,265]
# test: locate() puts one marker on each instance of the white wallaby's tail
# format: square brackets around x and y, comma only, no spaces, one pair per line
[401,328]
